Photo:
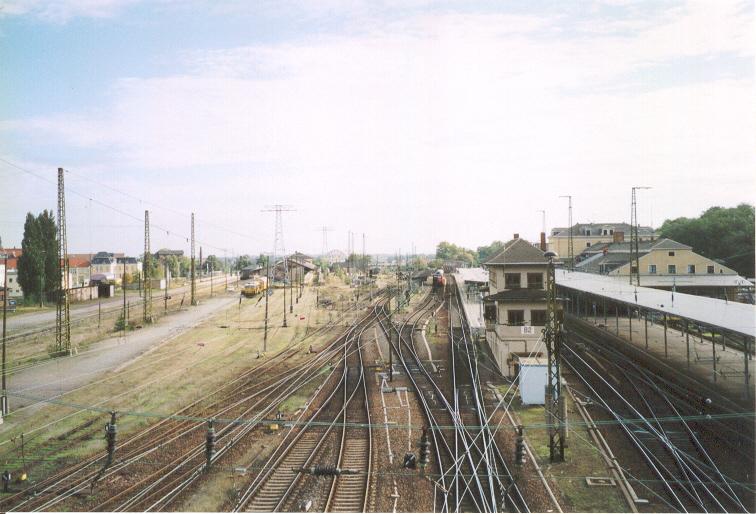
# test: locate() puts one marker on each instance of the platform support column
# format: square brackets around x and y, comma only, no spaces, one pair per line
[604,309]
[645,322]
[630,322]
[665,337]
[747,380]
[714,353]
[687,342]
[616,315]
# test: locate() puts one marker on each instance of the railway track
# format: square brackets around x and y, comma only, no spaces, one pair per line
[282,484]
[468,480]
[174,445]
[680,453]
[497,480]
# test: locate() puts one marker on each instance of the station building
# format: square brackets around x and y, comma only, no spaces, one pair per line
[585,235]
[665,264]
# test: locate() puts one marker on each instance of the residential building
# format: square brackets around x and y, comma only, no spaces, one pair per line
[128,265]
[103,267]
[515,309]
[585,235]
[664,264]
[14,288]
[111,267]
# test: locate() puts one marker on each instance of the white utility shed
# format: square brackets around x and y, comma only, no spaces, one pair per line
[533,380]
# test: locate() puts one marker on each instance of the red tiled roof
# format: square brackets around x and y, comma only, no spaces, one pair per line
[78,262]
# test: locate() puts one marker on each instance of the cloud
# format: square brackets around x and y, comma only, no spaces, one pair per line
[492,106]
[61,11]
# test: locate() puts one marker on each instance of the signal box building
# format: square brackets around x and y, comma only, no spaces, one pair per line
[515,309]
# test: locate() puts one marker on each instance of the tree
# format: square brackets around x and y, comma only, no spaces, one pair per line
[185,266]
[156,269]
[38,271]
[446,251]
[725,234]
[173,265]
[212,263]
[242,261]
[486,252]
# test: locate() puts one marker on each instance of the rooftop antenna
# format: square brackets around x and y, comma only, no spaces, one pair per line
[634,239]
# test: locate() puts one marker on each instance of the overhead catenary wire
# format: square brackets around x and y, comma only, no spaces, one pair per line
[105,205]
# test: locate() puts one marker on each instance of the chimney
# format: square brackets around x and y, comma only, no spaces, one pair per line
[516,236]
[619,236]
[543,242]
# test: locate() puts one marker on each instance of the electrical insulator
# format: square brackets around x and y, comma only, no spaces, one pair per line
[111,433]
[410,461]
[424,449]
[519,447]
[209,445]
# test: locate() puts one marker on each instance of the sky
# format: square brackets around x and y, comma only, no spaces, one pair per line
[409,121]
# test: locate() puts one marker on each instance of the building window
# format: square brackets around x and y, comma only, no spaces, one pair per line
[511,281]
[652,269]
[606,232]
[588,245]
[587,232]
[492,277]
[691,268]
[671,254]
[671,269]
[538,318]
[535,280]
[611,231]
[515,317]
[633,269]
[710,269]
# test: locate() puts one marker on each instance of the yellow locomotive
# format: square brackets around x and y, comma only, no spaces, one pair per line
[255,286]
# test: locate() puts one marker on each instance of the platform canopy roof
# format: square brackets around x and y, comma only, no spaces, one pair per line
[478,275]
[735,317]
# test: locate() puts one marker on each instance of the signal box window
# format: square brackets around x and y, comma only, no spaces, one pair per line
[652,269]
[710,269]
[511,281]
[671,254]
[535,280]
[490,313]
[515,317]
[691,268]
[671,269]
[538,318]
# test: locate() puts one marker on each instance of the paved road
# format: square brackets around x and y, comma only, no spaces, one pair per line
[43,319]
[57,376]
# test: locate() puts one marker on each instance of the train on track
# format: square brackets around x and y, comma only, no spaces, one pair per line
[439,280]
[255,286]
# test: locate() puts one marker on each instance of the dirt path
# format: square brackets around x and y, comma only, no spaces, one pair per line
[57,376]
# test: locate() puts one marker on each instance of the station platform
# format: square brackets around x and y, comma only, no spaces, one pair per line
[722,368]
